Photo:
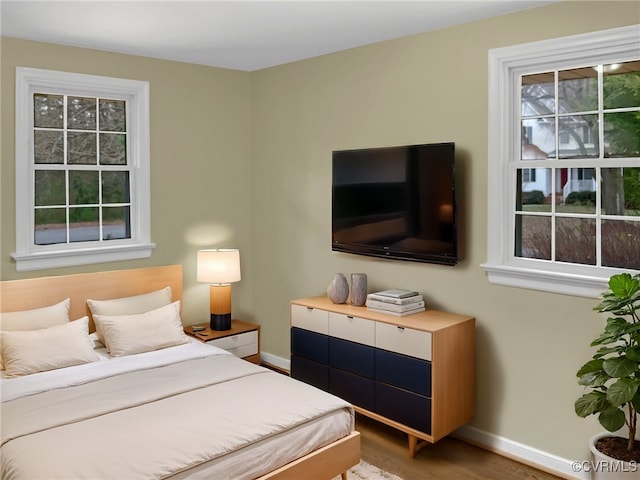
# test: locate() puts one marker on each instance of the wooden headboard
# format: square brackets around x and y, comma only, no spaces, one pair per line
[40,292]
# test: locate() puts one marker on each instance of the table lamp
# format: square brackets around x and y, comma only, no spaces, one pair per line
[219,267]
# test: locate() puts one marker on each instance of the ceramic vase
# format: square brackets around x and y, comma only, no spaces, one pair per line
[338,290]
[358,289]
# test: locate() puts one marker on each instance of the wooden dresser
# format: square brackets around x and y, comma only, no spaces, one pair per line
[415,373]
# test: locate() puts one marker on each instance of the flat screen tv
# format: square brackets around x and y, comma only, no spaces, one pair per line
[396,202]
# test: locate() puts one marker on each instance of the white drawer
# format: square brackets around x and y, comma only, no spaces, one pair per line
[407,341]
[352,328]
[235,341]
[244,350]
[309,318]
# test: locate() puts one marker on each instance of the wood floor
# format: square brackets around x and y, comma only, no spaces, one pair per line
[448,459]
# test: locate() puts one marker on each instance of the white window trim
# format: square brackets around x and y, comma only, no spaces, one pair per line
[505,67]
[29,256]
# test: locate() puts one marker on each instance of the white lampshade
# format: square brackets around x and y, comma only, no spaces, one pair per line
[219,265]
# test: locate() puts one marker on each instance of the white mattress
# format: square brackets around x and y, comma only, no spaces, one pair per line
[252,455]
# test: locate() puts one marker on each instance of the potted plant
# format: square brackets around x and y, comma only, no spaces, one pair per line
[613,374]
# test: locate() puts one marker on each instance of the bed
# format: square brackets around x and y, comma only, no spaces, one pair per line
[126,409]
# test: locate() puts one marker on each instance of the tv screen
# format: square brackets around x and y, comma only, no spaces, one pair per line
[396,202]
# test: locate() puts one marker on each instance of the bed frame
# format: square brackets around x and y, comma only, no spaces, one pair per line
[322,464]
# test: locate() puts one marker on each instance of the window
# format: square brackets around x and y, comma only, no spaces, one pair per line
[564,162]
[82,169]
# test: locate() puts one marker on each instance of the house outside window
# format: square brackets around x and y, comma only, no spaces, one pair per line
[82,169]
[566,113]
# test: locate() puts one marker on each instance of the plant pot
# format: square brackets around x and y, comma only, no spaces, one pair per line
[604,467]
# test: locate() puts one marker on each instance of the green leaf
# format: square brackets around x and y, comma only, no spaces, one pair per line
[606,351]
[623,285]
[594,379]
[622,391]
[605,338]
[616,325]
[623,297]
[590,367]
[619,367]
[590,403]
[612,419]
[633,353]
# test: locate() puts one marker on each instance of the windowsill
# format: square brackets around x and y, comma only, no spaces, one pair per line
[546,281]
[82,256]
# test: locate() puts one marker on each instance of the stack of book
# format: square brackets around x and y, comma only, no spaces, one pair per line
[396,302]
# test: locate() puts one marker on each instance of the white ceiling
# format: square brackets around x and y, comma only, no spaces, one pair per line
[237,34]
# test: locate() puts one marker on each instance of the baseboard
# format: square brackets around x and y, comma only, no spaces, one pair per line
[521,453]
[278,362]
[494,443]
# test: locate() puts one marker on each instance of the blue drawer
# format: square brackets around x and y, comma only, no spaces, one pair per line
[310,345]
[308,371]
[409,373]
[351,357]
[353,388]
[404,407]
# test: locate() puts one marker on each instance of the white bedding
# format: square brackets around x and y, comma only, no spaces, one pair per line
[190,411]
[64,377]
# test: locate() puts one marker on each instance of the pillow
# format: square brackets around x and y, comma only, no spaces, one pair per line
[34,319]
[143,332]
[37,318]
[32,351]
[129,305]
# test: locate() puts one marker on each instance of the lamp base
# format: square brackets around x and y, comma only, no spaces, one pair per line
[220,321]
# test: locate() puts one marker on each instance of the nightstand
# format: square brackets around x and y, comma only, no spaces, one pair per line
[243,340]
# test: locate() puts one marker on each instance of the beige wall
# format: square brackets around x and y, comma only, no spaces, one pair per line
[200,160]
[244,160]
[430,87]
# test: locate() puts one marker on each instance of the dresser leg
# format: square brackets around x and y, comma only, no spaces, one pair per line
[344,475]
[415,444]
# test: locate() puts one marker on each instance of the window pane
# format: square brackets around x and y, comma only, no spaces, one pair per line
[621,244]
[84,224]
[538,138]
[48,146]
[83,188]
[621,191]
[50,226]
[116,223]
[113,149]
[581,132]
[112,116]
[621,84]
[538,94]
[622,134]
[533,237]
[578,190]
[576,240]
[81,148]
[49,188]
[115,187]
[81,113]
[578,90]
[48,110]
[631,181]
[535,187]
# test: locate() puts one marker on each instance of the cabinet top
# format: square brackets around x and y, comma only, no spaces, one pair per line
[429,320]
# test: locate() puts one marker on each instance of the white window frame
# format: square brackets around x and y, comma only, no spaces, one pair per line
[506,65]
[29,256]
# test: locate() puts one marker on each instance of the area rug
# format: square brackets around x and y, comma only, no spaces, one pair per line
[366,471]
